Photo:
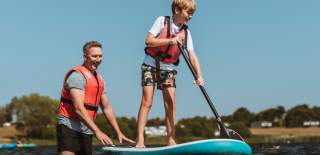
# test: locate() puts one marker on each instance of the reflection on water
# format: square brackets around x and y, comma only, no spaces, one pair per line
[281,149]
[287,149]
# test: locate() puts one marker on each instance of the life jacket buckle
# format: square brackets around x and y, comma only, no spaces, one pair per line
[161,56]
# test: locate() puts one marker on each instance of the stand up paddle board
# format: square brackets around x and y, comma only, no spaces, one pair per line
[15,145]
[202,147]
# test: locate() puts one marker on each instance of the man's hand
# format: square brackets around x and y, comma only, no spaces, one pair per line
[104,139]
[122,137]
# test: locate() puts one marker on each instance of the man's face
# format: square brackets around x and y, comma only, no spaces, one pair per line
[93,58]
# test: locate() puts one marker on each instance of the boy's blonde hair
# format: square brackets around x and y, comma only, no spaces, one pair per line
[189,5]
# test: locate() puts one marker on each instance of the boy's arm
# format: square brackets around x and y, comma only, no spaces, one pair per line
[77,96]
[196,66]
[152,41]
[110,116]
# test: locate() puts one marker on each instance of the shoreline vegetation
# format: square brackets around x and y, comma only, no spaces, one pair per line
[32,119]
[259,136]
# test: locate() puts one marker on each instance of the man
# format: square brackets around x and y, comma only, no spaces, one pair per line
[82,94]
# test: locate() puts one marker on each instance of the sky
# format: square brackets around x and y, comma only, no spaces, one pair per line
[253,54]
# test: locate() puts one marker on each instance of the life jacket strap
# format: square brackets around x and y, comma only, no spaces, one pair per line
[86,105]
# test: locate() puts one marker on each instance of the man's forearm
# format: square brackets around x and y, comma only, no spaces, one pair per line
[81,111]
[110,116]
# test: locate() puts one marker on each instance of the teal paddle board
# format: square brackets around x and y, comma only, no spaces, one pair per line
[15,145]
[201,147]
[8,146]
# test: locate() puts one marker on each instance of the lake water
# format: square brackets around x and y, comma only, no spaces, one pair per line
[282,149]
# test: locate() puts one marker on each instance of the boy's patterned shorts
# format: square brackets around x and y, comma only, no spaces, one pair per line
[149,77]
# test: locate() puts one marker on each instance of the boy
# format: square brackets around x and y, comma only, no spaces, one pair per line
[160,63]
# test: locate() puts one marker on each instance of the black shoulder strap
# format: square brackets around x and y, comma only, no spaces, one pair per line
[185,28]
[167,21]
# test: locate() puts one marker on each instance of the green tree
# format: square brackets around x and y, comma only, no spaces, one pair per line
[155,122]
[243,115]
[241,128]
[316,111]
[201,127]
[37,113]
[128,126]
[298,114]
[3,115]
[274,115]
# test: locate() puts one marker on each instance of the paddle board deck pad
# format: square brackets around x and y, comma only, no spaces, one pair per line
[202,147]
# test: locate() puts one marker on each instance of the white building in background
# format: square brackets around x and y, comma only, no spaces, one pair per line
[14,116]
[311,123]
[155,131]
[261,124]
[5,124]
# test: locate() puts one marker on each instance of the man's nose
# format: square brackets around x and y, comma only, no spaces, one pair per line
[99,59]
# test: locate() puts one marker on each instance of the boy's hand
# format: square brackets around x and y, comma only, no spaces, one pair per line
[199,81]
[176,40]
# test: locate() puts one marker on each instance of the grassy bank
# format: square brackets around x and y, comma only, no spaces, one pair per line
[284,135]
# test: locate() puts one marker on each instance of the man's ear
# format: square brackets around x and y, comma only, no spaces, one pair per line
[84,57]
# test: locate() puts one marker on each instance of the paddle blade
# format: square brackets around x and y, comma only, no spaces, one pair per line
[234,135]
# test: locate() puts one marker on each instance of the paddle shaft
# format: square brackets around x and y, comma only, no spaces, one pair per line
[223,131]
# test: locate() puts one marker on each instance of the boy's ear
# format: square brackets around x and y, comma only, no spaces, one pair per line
[176,10]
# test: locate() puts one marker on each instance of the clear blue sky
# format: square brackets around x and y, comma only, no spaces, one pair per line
[256,54]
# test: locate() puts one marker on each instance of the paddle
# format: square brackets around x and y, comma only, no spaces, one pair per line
[224,132]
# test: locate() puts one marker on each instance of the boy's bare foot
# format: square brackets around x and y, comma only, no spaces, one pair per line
[140,145]
[171,142]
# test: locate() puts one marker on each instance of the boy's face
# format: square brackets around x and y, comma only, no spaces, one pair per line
[184,15]
[93,58]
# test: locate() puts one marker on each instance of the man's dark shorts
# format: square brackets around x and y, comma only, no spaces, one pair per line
[149,77]
[73,141]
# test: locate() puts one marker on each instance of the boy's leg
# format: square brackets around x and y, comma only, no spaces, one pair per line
[169,97]
[148,86]
[170,108]
[146,103]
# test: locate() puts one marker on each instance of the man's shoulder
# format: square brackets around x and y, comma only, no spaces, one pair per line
[75,75]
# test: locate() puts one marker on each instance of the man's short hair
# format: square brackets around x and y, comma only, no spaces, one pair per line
[89,45]
[189,5]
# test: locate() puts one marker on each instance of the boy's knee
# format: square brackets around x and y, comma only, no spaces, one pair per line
[170,102]
[147,104]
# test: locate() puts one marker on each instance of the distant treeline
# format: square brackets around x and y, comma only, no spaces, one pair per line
[35,117]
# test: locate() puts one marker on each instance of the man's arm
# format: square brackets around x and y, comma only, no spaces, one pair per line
[77,96]
[196,66]
[110,116]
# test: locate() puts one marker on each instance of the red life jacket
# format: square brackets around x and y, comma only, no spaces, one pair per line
[92,94]
[168,53]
